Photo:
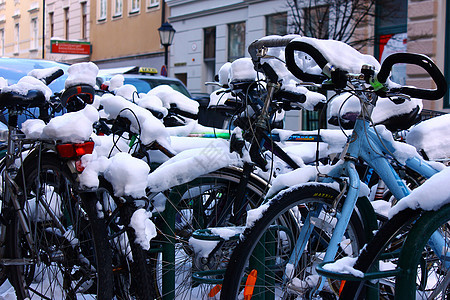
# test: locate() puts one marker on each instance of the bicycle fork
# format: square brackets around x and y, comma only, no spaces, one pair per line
[339,230]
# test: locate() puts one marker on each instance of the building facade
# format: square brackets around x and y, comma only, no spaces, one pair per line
[67,23]
[213,32]
[125,33]
[21,28]
[210,33]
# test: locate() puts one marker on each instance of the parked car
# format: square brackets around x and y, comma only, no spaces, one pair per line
[144,79]
[12,69]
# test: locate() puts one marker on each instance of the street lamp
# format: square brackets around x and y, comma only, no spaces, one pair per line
[166,33]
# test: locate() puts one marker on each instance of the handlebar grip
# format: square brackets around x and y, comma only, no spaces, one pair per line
[47,80]
[422,61]
[156,113]
[310,50]
[268,42]
[183,113]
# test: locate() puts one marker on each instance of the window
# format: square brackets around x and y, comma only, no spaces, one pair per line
[83,21]
[276,24]
[209,43]
[236,41]
[2,42]
[118,4]
[66,23]
[16,38]
[447,56]
[135,6]
[209,53]
[152,3]
[316,21]
[102,10]
[391,33]
[51,22]
[34,34]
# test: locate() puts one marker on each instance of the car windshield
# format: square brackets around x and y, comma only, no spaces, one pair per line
[143,85]
[14,69]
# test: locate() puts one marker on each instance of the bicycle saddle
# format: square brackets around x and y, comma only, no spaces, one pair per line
[33,98]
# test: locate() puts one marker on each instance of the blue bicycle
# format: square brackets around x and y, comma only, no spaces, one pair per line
[334,218]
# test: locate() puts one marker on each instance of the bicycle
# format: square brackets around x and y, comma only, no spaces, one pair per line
[52,240]
[328,222]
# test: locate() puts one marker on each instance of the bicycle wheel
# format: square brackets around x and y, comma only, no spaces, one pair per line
[203,203]
[69,256]
[259,265]
[131,269]
[423,275]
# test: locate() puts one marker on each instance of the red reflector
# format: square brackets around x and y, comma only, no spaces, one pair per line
[215,290]
[85,148]
[75,150]
[66,150]
[250,284]
[79,166]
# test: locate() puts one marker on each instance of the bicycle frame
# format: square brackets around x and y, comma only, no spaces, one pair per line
[365,144]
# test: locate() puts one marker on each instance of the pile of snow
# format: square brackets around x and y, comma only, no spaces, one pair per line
[42,73]
[344,266]
[142,121]
[173,98]
[126,174]
[26,84]
[144,228]
[73,127]
[115,82]
[242,70]
[191,164]
[431,195]
[432,137]
[341,55]
[81,73]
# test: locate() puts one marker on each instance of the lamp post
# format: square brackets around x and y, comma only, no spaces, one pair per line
[166,33]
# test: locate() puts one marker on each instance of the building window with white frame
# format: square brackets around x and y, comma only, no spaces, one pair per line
[117,9]
[2,42]
[16,38]
[51,22]
[276,24]
[102,10]
[34,34]
[236,41]
[152,3]
[135,6]
[66,23]
[84,21]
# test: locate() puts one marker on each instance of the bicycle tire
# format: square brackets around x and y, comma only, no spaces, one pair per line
[199,204]
[388,239]
[131,269]
[79,257]
[294,202]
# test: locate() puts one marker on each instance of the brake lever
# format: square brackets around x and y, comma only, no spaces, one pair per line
[398,98]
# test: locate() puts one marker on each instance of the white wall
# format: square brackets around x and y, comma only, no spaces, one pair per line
[190,17]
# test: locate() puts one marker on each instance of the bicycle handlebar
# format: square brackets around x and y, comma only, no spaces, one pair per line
[311,51]
[409,58]
[183,113]
[418,60]
[58,73]
[267,42]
